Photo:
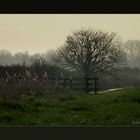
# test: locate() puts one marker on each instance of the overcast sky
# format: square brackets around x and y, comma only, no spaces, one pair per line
[37,33]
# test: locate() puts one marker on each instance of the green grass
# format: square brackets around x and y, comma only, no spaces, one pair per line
[70,108]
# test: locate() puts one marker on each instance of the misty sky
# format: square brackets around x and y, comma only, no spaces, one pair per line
[37,33]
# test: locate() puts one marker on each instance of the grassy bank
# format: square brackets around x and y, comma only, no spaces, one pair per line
[73,109]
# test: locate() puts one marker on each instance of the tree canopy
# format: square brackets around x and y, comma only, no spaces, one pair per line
[91,51]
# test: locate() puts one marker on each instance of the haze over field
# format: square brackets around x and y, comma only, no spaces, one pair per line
[37,33]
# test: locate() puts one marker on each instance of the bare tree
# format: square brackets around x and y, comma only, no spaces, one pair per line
[91,51]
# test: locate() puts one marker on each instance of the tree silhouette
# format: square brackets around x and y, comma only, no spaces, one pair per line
[91,51]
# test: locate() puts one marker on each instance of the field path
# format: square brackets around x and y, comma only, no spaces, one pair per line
[114,89]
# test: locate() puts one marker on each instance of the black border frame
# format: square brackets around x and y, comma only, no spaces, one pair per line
[70,7]
[70,133]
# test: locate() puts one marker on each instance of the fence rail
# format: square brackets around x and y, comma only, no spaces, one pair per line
[88,84]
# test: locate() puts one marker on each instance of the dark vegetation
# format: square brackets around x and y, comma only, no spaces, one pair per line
[69,108]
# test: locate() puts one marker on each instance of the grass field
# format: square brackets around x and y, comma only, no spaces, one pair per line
[70,108]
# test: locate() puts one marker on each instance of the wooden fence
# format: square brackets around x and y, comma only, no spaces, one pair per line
[88,84]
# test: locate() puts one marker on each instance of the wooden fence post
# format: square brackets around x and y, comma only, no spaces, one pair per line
[70,83]
[64,84]
[87,84]
[95,86]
